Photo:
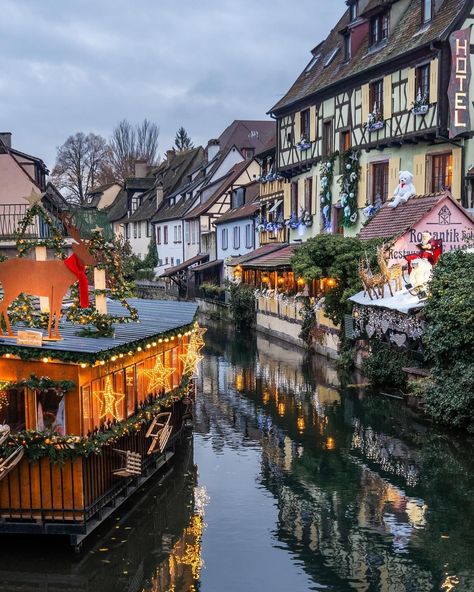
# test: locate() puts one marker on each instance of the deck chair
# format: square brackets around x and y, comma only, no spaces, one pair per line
[159,431]
[4,432]
[131,463]
[7,464]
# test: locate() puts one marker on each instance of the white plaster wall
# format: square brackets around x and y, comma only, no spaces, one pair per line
[14,182]
[171,250]
[231,251]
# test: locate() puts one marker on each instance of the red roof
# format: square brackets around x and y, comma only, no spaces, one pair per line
[184,265]
[263,250]
[391,222]
[275,260]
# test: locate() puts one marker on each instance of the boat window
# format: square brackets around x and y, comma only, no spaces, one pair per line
[12,408]
[130,389]
[50,412]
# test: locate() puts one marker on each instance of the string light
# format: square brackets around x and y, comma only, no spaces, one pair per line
[45,360]
[159,376]
[109,400]
[83,365]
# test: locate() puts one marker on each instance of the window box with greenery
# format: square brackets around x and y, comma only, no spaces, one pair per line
[303,144]
[420,105]
[375,120]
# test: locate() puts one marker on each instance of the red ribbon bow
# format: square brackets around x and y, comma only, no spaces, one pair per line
[74,264]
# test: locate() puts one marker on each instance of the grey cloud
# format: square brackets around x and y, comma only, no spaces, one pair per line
[83,65]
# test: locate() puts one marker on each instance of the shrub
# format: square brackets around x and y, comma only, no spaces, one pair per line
[449,341]
[145,274]
[212,291]
[383,366]
[242,305]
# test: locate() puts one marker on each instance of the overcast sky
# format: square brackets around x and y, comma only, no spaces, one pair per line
[82,65]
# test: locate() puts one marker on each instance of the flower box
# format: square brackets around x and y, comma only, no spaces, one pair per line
[376,125]
[420,110]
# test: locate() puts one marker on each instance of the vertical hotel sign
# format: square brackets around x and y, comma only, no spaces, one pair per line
[458,90]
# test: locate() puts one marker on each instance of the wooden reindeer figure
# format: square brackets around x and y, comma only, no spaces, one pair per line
[51,278]
[372,283]
[394,272]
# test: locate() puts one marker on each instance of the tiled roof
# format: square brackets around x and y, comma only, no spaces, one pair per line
[184,265]
[247,209]
[263,250]
[406,36]
[230,177]
[391,222]
[118,209]
[276,259]
[208,265]
[245,133]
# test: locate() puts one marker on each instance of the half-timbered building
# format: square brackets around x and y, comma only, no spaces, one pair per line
[387,91]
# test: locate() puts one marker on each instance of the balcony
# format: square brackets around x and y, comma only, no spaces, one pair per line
[273,237]
[12,214]
[271,188]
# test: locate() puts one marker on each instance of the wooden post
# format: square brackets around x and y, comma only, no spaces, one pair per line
[41,254]
[99,284]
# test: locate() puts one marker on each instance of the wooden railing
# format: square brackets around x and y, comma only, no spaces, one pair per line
[277,236]
[271,187]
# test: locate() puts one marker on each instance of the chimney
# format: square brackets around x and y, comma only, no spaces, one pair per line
[212,149]
[170,154]
[159,195]
[141,168]
[6,138]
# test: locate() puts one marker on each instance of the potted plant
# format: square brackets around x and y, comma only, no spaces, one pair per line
[303,144]
[375,120]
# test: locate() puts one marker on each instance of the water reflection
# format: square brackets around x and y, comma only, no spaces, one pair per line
[152,545]
[366,497]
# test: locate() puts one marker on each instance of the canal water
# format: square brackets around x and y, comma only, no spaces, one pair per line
[289,484]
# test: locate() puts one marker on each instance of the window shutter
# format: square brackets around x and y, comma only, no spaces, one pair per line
[286,200]
[301,194]
[419,173]
[393,172]
[387,97]
[434,81]
[411,88]
[456,183]
[312,123]
[365,91]
[314,198]
[297,127]
[362,187]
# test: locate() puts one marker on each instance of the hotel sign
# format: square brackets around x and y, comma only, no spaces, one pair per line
[458,90]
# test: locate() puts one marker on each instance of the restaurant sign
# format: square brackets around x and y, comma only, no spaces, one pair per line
[458,90]
[446,221]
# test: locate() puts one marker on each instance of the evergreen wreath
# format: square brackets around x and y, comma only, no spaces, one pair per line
[327,176]
[349,183]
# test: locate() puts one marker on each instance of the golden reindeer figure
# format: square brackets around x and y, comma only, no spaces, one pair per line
[394,272]
[372,283]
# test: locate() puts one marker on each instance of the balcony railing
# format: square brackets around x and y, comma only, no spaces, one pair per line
[12,214]
[276,236]
[271,188]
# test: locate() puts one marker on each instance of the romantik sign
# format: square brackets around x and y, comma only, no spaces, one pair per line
[458,90]
[446,222]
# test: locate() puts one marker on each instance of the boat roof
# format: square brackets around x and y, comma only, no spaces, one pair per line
[157,319]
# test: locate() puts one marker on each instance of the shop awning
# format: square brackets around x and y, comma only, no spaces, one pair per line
[184,265]
[208,265]
[279,259]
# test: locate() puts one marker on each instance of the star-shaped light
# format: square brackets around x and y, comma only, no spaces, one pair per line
[191,360]
[34,197]
[197,341]
[159,376]
[109,400]
[97,229]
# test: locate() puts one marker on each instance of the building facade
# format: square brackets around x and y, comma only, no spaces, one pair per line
[387,91]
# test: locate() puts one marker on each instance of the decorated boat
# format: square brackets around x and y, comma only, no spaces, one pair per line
[93,396]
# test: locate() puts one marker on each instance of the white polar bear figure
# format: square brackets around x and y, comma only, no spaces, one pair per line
[405,189]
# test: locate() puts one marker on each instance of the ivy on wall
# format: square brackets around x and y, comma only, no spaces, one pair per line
[325,194]
[349,183]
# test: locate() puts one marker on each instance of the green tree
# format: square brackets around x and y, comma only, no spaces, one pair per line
[242,306]
[151,259]
[449,341]
[182,141]
[337,257]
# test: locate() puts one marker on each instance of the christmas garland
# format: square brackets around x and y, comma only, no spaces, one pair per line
[41,384]
[106,254]
[349,182]
[56,242]
[58,449]
[327,176]
[89,358]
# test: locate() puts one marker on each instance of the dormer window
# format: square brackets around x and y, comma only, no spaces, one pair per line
[378,28]
[347,47]
[427,11]
[353,9]
[331,56]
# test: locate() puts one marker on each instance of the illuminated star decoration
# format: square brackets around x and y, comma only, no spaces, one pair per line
[34,197]
[159,376]
[193,356]
[109,400]
[97,229]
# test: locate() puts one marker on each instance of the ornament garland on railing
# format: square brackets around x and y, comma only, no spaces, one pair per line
[61,448]
[56,242]
[327,176]
[349,183]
